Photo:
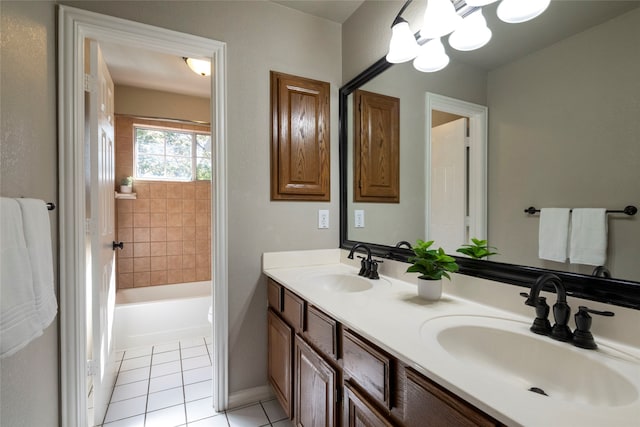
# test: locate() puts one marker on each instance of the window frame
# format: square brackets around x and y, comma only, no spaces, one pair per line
[194,152]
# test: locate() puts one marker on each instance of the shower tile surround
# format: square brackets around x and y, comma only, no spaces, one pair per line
[166,230]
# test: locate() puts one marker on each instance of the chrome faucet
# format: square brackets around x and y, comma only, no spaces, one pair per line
[368,266]
[561,310]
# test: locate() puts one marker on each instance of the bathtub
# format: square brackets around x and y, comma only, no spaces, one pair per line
[157,314]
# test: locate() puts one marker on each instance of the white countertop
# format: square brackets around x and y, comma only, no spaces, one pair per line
[392,316]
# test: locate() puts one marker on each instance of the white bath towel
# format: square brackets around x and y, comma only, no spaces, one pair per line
[588,236]
[19,320]
[37,235]
[553,234]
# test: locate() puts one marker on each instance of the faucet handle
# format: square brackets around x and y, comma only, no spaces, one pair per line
[364,268]
[582,336]
[541,324]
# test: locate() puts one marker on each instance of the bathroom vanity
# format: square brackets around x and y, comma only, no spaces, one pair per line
[345,350]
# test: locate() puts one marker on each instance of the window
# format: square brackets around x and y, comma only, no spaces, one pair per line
[171,154]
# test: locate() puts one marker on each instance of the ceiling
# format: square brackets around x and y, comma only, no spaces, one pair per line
[151,70]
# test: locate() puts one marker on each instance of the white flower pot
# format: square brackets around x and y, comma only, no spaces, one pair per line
[430,290]
[125,188]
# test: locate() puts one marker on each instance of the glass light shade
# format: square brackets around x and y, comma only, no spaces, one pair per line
[403,46]
[516,11]
[472,34]
[440,19]
[477,3]
[199,66]
[431,57]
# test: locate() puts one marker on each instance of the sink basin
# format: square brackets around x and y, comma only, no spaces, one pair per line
[504,351]
[341,282]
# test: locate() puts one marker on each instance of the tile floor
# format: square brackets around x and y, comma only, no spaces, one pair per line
[169,385]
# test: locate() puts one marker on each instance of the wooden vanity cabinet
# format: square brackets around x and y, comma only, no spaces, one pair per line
[326,375]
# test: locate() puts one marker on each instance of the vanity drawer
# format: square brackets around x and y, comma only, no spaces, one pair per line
[368,367]
[322,331]
[274,295]
[293,309]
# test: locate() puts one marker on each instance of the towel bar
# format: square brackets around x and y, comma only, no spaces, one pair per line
[51,206]
[628,210]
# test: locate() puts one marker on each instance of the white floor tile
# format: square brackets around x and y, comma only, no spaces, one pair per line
[197,375]
[249,416]
[203,408]
[192,342]
[137,421]
[135,363]
[283,423]
[127,391]
[200,350]
[167,356]
[198,390]
[165,369]
[125,409]
[126,377]
[131,353]
[164,399]
[274,410]
[195,362]
[167,417]
[161,348]
[165,382]
[217,421]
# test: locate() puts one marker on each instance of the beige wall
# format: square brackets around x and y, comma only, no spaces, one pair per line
[135,101]
[260,36]
[28,167]
[568,137]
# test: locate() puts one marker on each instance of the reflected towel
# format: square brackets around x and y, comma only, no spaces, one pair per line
[553,234]
[19,320]
[37,235]
[588,236]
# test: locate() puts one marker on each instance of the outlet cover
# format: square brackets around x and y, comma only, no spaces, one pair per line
[323,218]
[359,218]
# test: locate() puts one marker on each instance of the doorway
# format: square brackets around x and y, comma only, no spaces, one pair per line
[76,25]
[474,181]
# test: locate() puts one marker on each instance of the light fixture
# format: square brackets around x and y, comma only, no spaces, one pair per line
[431,57]
[403,46]
[199,66]
[516,11]
[472,34]
[440,19]
[462,19]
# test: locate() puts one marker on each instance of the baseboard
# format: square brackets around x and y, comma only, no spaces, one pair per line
[249,396]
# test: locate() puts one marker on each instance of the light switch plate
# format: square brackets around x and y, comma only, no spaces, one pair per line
[359,218]
[323,218]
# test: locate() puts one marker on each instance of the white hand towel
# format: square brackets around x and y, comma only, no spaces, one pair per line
[19,320]
[553,234]
[588,236]
[37,235]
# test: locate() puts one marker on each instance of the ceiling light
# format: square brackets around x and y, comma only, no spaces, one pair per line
[516,11]
[472,34]
[199,66]
[431,57]
[403,46]
[440,19]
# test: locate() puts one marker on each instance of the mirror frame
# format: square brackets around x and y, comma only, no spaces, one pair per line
[624,293]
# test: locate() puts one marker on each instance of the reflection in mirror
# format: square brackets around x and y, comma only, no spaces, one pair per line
[563,132]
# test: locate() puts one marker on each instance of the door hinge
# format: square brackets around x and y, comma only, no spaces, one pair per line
[467,141]
[87,226]
[89,83]
[92,368]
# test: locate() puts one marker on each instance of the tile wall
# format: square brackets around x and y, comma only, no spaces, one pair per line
[166,230]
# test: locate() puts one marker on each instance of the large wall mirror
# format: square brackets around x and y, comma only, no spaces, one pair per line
[563,131]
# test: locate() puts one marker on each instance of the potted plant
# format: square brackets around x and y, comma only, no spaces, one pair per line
[433,265]
[126,184]
[478,250]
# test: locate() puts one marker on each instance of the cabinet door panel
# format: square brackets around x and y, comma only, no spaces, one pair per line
[293,310]
[280,366]
[322,331]
[360,413]
[315,397]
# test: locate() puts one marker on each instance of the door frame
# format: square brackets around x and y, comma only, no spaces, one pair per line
[74,25]
[478,125]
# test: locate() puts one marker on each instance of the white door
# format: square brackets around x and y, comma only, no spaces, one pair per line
[448,185]
[101,212]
